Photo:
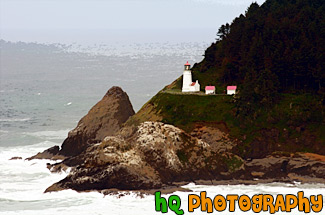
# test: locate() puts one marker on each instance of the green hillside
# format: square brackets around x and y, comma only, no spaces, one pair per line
[294,124]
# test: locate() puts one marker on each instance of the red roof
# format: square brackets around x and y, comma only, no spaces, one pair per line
[231,87]
[187,64]
[210,88]
[193,83]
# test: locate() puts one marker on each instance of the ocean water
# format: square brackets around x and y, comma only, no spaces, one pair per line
[46,88]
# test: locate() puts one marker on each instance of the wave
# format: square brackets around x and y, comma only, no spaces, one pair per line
[15,120]
[50,135]
[7,152]
[64,202]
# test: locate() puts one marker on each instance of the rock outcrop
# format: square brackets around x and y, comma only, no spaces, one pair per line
[104,119]
[157,155]
[304,167]
[50,153]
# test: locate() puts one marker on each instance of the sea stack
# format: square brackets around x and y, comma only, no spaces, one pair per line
[103,119]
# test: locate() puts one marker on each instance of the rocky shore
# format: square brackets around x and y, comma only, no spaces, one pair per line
[105,153]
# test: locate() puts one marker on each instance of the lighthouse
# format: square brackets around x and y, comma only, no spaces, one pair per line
[188,85]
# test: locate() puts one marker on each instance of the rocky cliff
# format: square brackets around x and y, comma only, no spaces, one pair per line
[155,156]
[103,119]
[160,156]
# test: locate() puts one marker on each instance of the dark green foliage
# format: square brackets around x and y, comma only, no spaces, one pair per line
[259,90]
[223,31]
[283,37]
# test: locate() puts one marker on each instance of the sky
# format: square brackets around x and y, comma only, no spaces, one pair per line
[27,18]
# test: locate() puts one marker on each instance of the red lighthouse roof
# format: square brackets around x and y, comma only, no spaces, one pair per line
[187,64]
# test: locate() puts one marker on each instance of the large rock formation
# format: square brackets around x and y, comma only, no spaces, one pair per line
[158,156]
[155,156]
[104,119]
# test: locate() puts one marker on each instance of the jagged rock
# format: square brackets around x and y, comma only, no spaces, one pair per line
[16,158]
[157,155]
[214,136]
[104,119]
[51,153]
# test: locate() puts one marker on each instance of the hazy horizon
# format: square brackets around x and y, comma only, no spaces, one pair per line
[99,21]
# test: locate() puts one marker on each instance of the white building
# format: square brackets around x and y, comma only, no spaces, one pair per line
[210,90]
[231,90]
[188,85]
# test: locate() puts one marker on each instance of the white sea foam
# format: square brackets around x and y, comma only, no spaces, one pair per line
[49,135]
[15,120]
[24,151]
[3,131]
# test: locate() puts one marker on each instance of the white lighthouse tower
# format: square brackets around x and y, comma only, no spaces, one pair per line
[187,78]
[188,85]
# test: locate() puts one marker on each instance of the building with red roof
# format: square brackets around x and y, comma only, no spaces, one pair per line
[210,90]
[231,90]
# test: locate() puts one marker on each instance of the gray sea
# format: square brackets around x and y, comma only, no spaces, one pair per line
[45,88]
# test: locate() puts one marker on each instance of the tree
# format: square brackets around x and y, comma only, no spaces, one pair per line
[259,90]
[223,31]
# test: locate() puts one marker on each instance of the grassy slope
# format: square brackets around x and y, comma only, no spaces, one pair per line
[184,110]
[298,118]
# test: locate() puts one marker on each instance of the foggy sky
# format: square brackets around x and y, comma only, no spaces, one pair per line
[30,15]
